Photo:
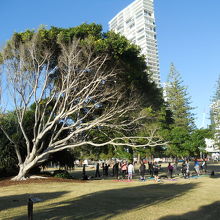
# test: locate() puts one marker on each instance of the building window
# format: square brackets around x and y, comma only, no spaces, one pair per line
[131,26]
[139,14]
[147,13]
[128,21]
[140,30]
[140,38]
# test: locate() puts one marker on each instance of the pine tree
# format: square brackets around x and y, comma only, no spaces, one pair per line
[178,100]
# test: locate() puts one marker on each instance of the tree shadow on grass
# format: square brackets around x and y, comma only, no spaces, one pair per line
[208,212]
[109,203]
[13,201]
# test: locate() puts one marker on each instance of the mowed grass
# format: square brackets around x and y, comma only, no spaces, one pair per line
[195,198]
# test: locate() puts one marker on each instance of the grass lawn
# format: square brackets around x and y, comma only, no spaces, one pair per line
[195,198]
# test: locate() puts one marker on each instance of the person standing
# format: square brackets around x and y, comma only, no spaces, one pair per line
[184,169]
[84,176]
[123,169]
[106,169]
[170,170]
[187,169]
[151,169]
[196,167]
[142,171]
[130,171]
[204,166]
[156,171]
[97,173]
[115,170]
[103,169]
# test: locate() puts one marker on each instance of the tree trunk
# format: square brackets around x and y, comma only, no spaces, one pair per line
[21,174]
[24,170]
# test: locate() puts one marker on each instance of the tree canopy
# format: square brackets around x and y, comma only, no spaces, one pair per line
[78,82]
[122,53]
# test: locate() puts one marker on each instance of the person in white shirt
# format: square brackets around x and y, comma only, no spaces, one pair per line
[130,171]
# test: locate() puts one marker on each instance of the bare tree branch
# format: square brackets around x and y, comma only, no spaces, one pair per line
[77,96]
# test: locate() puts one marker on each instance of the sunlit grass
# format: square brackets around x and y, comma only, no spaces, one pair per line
[109,199]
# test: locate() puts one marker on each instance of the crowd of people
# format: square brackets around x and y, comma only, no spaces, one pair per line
[198,168]
[126,170]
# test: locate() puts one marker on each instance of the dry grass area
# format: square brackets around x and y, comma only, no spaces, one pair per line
[195,198]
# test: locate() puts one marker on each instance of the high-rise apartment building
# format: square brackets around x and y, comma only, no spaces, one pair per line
[137,23]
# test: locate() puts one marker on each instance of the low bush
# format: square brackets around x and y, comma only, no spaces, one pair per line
[46,173]
[35,170]
[2,172]
[62,174]
[8,172]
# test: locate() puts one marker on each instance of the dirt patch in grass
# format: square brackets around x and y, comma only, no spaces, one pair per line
[8,182]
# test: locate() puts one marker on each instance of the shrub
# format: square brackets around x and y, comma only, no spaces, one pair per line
[46,173]
[2,172]
[8,171]
[62,174]
[35,170]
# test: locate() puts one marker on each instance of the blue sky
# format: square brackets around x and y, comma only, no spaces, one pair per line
[188,34]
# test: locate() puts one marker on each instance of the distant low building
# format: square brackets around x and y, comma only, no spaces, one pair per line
[212,149]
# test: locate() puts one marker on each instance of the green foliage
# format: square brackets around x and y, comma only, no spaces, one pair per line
[122,55]
[10,124]
[62,174]
[185,144]
[8,157]
[124,152]
[178,101]
[95,153]
[7,154]
[178,145]
[197,140]
[149,152]
[8,171]
[155,124]
[64,158]
[178,133]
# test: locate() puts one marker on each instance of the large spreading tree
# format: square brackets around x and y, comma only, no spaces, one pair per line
[79,83]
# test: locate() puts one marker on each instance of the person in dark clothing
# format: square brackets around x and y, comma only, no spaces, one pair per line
[106,169]
[97,173]
[142,170]
[170,170]
[115,170]
[84,176]
[103,169]
[150,167]
[184,169]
